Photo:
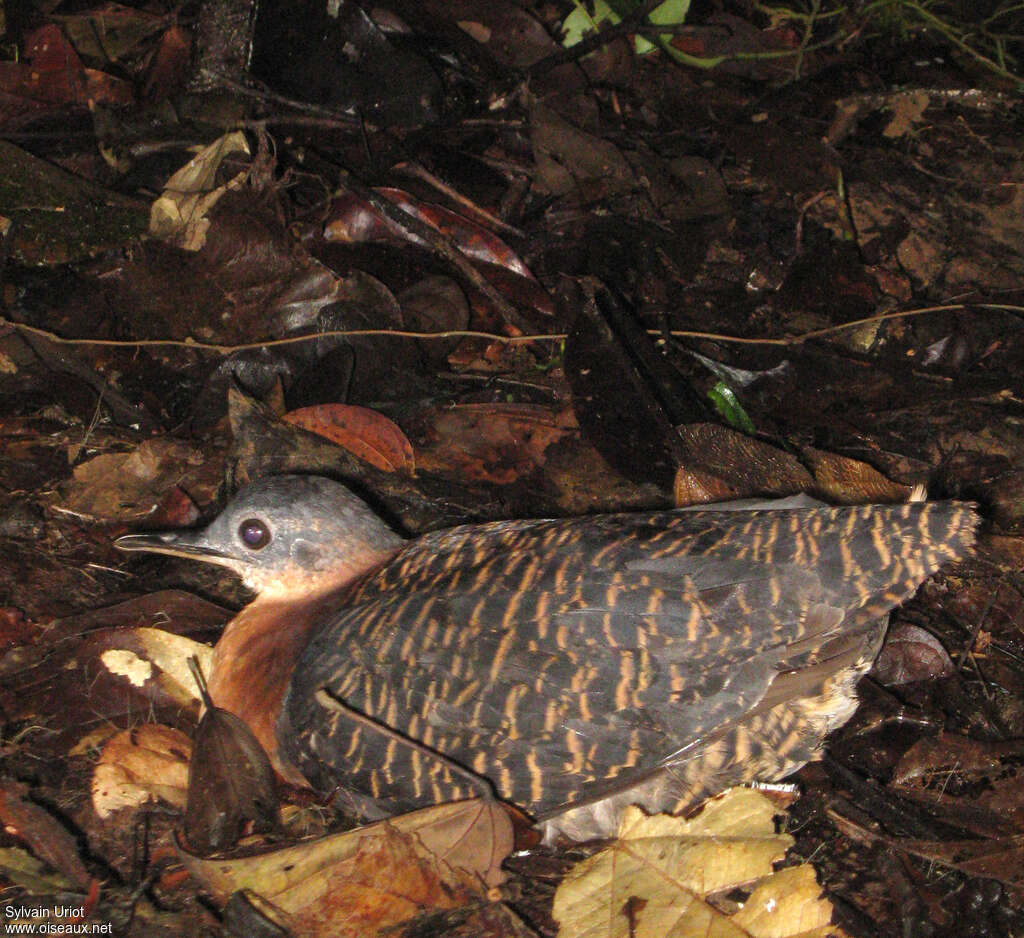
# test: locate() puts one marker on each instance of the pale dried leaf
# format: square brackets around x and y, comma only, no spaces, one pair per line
[788,904]
[181,213]
[154,654]
[142,765]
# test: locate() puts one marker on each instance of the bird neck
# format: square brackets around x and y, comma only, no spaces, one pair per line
[254,659]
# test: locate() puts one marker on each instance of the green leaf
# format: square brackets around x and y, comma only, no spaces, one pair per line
[728,405]
[582,21]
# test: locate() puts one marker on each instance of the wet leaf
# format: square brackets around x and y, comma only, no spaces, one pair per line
[353,221]
[911,654]
[729,406]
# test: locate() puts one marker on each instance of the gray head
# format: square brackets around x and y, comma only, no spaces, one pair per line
[284,535]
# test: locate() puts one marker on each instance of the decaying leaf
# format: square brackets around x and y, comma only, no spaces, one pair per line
[361,881]
[139,766]
[656,879]
[129,486]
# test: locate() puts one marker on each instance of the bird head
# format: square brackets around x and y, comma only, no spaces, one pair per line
[284,536]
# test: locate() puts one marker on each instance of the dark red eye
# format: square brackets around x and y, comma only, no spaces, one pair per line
[254,534]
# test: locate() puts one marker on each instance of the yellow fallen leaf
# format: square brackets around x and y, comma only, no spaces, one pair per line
[657,879]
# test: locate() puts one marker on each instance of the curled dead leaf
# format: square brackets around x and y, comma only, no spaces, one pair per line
[140,766]
[360,881]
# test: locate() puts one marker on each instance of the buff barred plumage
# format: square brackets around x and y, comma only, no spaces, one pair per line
[580,664]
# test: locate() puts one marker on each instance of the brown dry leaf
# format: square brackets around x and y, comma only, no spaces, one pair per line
[142,765]
[361,881]
[496,443]
[911,654]
[129,486]
[49,839]
[850,481]
[728,464]
[655,880]
[231,784]
[363,432]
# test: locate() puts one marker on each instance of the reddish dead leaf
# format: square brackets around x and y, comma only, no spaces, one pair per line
[353,221]
[911,654]
[360,881]
[176,509]
[363,432]
[523,291]
[497,443]
[50,841]
[15,629]
[54,74]
[168,69]
[140,766]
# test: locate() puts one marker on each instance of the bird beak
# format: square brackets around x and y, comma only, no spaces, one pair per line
[191,544]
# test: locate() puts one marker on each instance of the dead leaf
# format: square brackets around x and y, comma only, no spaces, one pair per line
[360,881]
[154,655]
[140,766]
[181,215]
[911,654]
[948,752]
[353,221]
[230,780]
[50,840]
[787,904]
[849,481]
[656,879]
[363,432]
[497,443]
[129,487]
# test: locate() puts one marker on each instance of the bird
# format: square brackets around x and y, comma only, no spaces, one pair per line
[578,665]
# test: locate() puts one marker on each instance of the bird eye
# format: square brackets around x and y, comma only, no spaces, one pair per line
[254,534]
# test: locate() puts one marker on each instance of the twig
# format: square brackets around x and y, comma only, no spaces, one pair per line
[788,341]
